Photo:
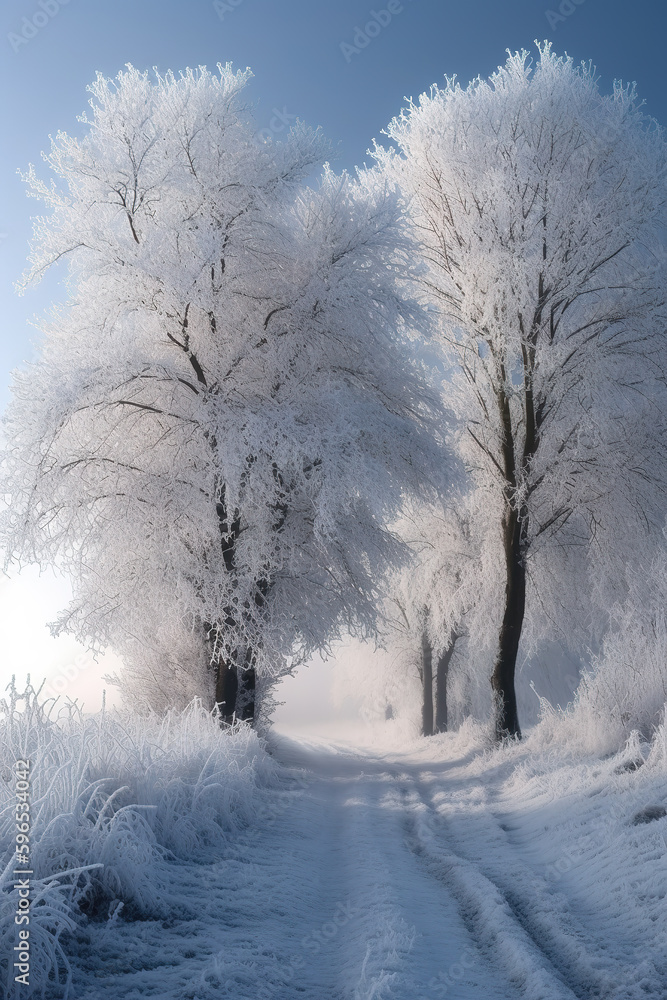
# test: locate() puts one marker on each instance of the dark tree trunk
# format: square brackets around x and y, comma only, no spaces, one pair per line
[442,672]
[427,686]
[235,691]
[502,680]
[236,680]
[245,696]
[226,690]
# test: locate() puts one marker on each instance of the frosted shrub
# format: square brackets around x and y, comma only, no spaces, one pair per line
[625,690]
[113,797]
[658,754]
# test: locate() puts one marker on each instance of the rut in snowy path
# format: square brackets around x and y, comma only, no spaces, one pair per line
[359,885]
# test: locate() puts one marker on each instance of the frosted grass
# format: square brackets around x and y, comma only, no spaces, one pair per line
[116,798]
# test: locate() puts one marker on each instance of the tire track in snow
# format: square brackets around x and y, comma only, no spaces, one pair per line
[408,933]
[544,929]
[486,911]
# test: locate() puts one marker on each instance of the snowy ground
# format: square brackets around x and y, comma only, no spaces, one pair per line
[435,871]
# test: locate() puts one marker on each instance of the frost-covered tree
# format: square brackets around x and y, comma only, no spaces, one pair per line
[225,412]
[539,204]
[442,604]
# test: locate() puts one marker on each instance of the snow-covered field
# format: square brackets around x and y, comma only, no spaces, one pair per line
[307,868]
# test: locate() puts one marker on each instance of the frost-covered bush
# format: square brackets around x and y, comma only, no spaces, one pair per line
[113,797]
[625,689]
[168,674]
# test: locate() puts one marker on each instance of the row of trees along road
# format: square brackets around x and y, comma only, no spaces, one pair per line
[539,205]
[228,416]
[226,412]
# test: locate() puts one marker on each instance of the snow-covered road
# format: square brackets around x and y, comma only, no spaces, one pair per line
[370,916]
[362,882]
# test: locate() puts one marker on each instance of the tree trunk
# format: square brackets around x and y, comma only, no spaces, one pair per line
[226,690]
[235,691]
[427,686]
[236,681]
[245,696]
[442,672]
[502,679]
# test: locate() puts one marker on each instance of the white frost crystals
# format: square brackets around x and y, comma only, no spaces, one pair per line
[540,207]
[115,799]
[225,412]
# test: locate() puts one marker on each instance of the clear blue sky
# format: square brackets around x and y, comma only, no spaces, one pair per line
[294,49]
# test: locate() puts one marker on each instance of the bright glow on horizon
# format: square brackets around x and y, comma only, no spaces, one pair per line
[309,707]
[29,600]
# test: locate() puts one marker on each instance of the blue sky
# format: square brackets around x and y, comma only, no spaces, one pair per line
[294,49]
[300,53]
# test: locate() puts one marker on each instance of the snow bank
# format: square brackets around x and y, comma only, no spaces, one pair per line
[115,800]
